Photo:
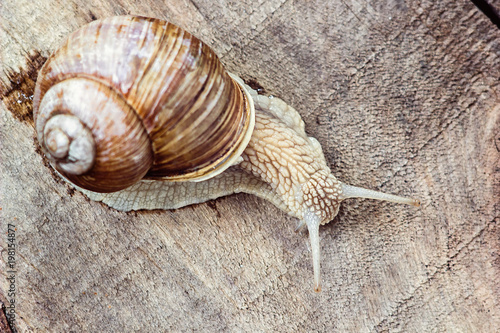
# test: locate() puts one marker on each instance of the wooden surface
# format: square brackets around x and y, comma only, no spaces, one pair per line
[403,96]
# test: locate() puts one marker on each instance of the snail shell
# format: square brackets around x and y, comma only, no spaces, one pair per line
[138,106]
[131,97]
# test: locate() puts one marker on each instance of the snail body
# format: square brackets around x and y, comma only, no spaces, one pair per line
[139,114]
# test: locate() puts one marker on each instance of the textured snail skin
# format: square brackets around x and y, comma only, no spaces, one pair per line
[280,164]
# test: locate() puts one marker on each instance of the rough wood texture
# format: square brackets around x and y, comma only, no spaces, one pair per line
[403,96]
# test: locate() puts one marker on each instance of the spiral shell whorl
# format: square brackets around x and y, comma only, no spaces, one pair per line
[92,137]
[69,144]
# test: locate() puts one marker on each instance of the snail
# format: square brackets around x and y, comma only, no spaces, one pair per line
[140,114]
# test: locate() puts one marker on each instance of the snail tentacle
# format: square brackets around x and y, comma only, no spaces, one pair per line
[313,222]
[349,191]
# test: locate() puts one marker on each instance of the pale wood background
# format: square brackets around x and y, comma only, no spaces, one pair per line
[404,97]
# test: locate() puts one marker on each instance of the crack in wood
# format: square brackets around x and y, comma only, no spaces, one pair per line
[17,93]
[488,10]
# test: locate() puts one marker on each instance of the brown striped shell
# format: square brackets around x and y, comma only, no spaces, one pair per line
[129,97]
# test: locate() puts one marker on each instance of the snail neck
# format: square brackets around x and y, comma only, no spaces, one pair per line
[293,165]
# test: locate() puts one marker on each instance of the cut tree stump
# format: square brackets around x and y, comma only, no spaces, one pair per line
[404,97]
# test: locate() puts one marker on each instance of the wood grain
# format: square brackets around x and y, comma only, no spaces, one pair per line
[403,97]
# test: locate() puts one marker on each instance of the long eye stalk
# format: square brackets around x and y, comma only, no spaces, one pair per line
[349,191]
